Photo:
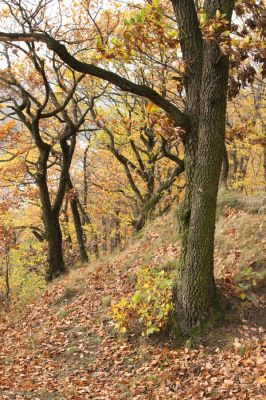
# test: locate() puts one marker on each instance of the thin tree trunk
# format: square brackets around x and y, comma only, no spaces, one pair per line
[85,177]
[243,167]
[79,230]
[225,169]
[95,245]
[264,164]
[66,224]
[74,204]
[235,163]
[7,294]
[104,235]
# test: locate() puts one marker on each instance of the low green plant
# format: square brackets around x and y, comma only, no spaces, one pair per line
[63,314]
[148,308]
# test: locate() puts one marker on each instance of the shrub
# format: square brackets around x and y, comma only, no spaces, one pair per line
[148,308]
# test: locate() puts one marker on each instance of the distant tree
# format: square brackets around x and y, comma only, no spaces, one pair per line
[50,109]
[144,142]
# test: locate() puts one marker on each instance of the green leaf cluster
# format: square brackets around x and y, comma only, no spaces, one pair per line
[148,308]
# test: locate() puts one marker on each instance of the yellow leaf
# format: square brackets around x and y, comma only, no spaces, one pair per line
[226,33]
[261,380]
[155,3]
[218,14]
[151,108]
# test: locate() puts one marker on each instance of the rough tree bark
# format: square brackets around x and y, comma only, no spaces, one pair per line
[56,264]
[55,253]
[196,296]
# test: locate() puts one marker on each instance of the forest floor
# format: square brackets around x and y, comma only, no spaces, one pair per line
[64,345]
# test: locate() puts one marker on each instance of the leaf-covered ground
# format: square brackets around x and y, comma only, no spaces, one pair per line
[65,347]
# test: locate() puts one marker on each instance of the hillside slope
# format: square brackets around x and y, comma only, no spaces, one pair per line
[65,346]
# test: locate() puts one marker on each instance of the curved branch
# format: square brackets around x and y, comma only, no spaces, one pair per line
[90,69]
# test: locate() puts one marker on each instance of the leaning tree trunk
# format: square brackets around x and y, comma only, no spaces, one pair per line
[196,292]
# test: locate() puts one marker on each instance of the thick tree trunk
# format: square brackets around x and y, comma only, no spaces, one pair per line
[196,291]
[191,46]
[184,210]
[56,265]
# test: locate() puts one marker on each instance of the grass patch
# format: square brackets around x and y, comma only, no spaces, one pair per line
[63,314]
[72,350]
[106,302]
